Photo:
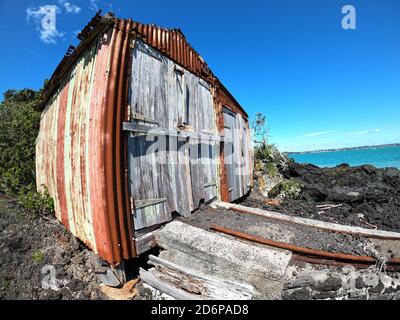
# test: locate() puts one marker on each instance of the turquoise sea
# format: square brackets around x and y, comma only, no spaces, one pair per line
[379,157]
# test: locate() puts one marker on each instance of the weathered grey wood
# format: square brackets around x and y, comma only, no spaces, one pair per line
[156,131]
[139,204]
[229,152]
[152,279]
[145,242]
[208,287]
[144,176]
[236,154]
[211,184]
[169,98]
[137,116]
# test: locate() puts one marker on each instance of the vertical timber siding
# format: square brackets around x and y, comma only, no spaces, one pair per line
[169,96]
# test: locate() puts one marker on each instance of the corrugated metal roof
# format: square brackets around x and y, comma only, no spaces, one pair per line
[172,43]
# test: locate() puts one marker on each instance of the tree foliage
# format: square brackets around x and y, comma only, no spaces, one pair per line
[19,127]
[259,129]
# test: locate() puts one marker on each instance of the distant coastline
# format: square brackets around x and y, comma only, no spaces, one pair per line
[346,149]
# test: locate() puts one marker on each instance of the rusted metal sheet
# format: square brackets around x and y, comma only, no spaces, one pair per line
[80,156]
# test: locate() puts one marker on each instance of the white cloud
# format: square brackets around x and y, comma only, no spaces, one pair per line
[45,20]
[93,5]
[319,133]
[71,8]
[364,132]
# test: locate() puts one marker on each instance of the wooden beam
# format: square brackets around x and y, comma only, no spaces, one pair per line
[318,224]
[152,279]
[140,117]
[194,282]
[156,131]
[139,204]
[145,242]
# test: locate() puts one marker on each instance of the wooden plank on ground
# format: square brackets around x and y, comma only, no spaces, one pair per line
[311,222]
[209,288]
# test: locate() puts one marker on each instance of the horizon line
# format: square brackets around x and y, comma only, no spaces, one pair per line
[343,148]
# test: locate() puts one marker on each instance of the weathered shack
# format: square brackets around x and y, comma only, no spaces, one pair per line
[136,128]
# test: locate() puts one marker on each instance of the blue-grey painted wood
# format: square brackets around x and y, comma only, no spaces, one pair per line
[236,154]
[229,149]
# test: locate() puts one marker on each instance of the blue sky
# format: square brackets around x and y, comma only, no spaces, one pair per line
[319,85]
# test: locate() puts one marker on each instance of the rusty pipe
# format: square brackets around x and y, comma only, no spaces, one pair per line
[299,249]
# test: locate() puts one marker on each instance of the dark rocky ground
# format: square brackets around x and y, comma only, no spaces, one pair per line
[34,248]
[368,196]
[32,245]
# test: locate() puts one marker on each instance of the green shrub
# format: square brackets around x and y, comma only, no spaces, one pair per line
[287,188]
[272,169]
[290,189]
[38,256]
[36,202]
[265,152]
[19,127]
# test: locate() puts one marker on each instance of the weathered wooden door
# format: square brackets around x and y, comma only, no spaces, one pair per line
[172,140]
[236,152]
[229,152]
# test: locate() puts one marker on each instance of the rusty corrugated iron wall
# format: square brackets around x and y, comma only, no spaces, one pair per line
[79,148]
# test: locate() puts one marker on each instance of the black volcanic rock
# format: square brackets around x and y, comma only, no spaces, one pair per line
[367,196]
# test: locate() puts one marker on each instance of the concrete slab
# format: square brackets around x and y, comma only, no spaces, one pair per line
[226,257]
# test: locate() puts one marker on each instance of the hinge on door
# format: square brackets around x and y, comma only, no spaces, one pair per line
[129,113]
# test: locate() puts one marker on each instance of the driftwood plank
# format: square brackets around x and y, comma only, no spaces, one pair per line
[209,288]
[153,279]
[145,242]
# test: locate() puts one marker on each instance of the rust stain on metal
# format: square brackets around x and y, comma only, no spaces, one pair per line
[79,147]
